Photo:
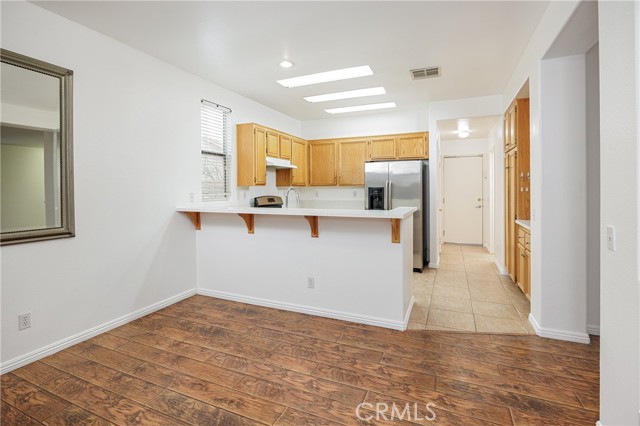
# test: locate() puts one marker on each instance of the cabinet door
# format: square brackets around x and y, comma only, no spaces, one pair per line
[510,128]
[273,144]
[527,276]
[260,163]
[510,196]
[411,146]
[382,149]
[352,155]
[322,163]
[522,268]
[285,147]
[299,159]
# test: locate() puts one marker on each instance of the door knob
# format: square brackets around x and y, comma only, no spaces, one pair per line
[479,206]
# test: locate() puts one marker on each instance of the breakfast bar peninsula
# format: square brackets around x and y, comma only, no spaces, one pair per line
[348,264]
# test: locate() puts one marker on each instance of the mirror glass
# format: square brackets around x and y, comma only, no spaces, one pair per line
[35,150]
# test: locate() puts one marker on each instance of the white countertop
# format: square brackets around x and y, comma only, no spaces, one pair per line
[524,223]
[397,213]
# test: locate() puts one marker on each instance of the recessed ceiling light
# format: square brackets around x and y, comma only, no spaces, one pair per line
[361,108]
[286,63]
[324,77]
[463,133]
[350,94]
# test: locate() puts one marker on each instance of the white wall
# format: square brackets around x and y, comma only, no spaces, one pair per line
[495,141]
[619,28]
[562,200]
[29,117]
[137,155]
[593,190]
[384,123]
[466,148]
[22,186]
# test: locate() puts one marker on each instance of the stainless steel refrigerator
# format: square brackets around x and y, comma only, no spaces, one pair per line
[391,184]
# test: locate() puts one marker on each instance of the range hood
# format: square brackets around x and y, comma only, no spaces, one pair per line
[279,163]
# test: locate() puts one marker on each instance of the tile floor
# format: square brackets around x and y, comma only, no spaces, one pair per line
[466,293]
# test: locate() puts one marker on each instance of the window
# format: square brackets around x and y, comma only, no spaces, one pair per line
[215,154]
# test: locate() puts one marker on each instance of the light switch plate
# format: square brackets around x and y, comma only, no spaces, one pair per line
[611,238]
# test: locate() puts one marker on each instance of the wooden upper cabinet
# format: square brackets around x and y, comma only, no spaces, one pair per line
[273,144]
[382,148]
[251,150]
[412,146]
[285,147]
[299,158]
[322,163]
[352,155]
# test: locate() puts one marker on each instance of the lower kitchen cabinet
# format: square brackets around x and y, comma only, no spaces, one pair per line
[524,261]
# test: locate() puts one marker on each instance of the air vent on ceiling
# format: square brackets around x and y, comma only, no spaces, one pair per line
[422,73]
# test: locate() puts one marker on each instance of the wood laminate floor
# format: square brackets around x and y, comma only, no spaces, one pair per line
[206,361]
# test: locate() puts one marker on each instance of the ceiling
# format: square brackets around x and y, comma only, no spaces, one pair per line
[479,127]
[238,45]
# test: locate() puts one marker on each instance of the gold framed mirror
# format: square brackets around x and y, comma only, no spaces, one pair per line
[36,170]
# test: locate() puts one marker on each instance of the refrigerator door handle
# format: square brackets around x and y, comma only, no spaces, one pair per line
[387,198]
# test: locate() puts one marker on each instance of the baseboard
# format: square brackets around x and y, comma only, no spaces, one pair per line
[501,269]
[593,329]
[434,265]
[18,362]
[551,333]
[327,313]
[406,317]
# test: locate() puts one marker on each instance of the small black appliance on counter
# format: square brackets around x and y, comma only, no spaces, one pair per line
[266,201]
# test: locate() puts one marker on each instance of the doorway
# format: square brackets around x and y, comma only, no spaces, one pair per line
[463,200]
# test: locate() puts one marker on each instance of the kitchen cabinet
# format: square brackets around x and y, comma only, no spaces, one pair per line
[285,146]
[322,163]
[517,181]
[273,144]
[412,146]
[251,143]
[510,196]
[524,261]
[298,176]
[352,155]
[382,148]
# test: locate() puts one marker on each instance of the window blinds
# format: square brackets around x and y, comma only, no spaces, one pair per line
[215,151]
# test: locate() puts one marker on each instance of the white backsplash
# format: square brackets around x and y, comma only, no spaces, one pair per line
[318,197]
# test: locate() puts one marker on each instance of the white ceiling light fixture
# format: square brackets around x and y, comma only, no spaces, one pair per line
[324,77]
[463,133]
[350,94]
[285,63]
[368,107]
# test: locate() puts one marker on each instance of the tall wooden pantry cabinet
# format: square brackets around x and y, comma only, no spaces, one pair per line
[517,179]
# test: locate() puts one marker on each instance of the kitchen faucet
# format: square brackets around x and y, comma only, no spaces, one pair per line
[286,197]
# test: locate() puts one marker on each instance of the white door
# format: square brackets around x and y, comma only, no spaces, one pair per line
[462,202]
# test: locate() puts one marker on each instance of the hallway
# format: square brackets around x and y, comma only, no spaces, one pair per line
[466,293]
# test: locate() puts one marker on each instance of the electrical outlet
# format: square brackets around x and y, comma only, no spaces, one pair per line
[192,197]
[355,194]
[311,282]
[316,194]
[24,321]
